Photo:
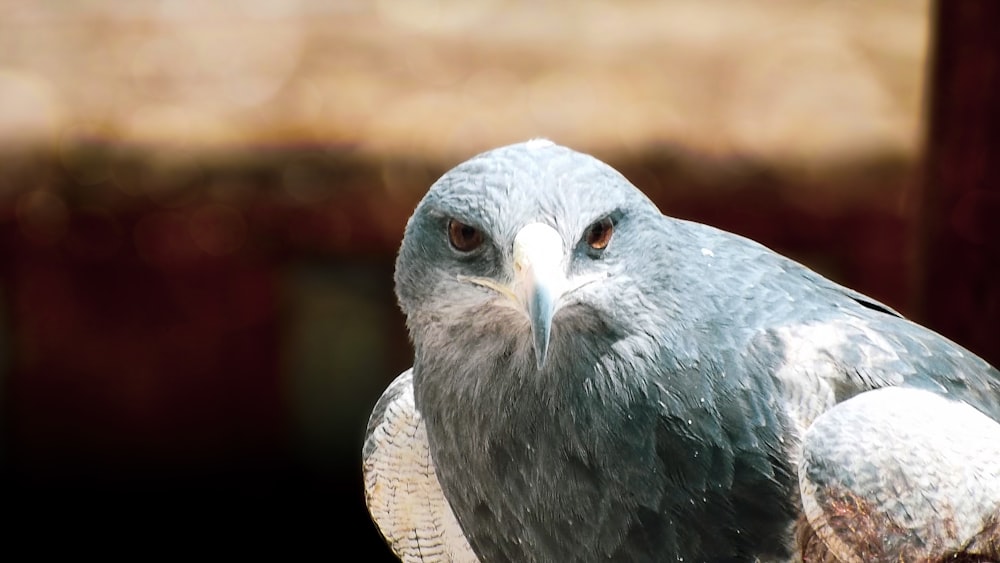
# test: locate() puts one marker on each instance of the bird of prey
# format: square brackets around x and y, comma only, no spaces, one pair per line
[594,380]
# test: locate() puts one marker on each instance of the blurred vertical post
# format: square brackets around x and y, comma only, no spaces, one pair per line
[959,276]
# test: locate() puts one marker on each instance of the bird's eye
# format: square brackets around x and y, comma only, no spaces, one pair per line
[464,238]
[599,234]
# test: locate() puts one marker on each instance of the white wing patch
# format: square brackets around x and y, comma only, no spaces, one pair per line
[905,475]
[811,373]
[401,488]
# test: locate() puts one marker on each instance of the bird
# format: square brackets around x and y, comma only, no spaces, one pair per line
[594,380]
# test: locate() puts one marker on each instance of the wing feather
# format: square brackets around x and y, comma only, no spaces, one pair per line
[902,474]
[402,492]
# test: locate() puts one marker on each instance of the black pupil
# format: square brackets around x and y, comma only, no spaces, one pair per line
[464,237]
[599,234]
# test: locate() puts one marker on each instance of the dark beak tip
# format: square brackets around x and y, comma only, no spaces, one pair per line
[541,345]
[542,306]
[540,360]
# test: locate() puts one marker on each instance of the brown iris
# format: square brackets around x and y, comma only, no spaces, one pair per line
[599,234]
[465,238]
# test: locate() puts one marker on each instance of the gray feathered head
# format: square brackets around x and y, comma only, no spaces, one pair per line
[517,235]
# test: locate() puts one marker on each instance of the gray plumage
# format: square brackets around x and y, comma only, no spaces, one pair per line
[647,399]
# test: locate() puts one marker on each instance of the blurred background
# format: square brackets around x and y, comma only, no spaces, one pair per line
[200,204]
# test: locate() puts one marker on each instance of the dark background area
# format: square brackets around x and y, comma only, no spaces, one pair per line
[191,339]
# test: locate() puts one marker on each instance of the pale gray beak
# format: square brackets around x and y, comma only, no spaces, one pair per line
[539,280]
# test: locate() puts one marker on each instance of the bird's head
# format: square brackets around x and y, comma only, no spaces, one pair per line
[507,241]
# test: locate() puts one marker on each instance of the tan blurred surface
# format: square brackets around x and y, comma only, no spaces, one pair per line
[791,83]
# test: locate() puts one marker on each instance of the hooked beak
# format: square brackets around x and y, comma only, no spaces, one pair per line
[539,283]
[539,280]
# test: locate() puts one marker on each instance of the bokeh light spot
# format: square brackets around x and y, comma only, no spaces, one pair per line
[162,239]
[95,235]
[42,216]
[218,229]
